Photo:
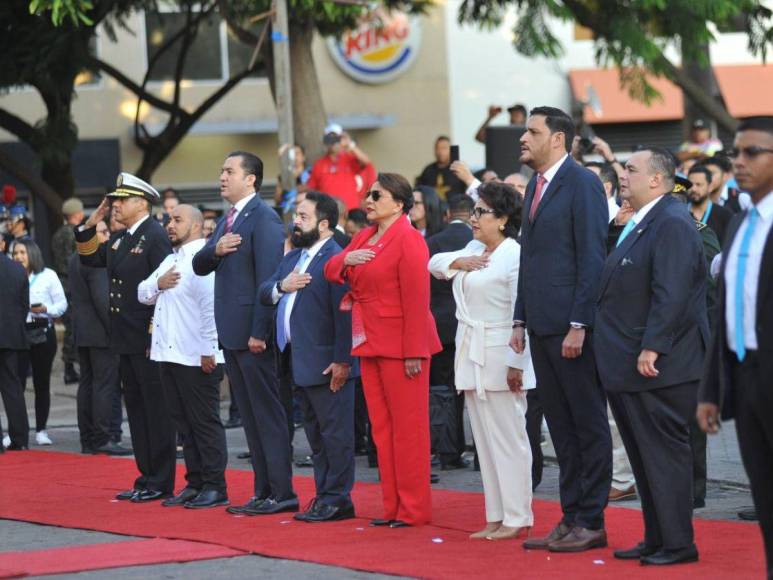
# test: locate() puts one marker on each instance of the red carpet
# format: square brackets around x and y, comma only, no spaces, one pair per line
[76,491]
[112,555]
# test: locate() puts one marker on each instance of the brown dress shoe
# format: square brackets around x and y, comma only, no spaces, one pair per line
[622,494]
[559,532]
[579,540]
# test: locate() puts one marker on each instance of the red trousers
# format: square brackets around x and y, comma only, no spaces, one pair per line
[399,414]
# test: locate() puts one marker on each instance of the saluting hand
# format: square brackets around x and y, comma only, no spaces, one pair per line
[357,257]
[98,214]
[295,281]
[227,244]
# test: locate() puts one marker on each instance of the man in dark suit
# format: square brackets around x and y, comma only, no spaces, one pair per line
[14,307]
[563,240]
[702,208]
[651,335]
[739,369]
[314,340]
[130,256]
[244,251]
[454,237]
[99,384]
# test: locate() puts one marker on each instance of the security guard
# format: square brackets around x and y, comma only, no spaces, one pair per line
[130,256]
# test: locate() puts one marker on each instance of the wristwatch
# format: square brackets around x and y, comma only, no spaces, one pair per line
[279,287]
[577,326]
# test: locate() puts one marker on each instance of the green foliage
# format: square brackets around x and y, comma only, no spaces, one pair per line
[76,11]
[632,35]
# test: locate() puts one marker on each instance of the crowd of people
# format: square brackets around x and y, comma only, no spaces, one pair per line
[623,300]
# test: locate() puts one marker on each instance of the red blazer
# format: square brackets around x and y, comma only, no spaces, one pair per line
[390,309]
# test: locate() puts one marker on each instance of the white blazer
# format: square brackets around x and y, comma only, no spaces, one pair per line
[485,301]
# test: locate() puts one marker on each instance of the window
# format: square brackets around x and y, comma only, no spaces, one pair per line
[213,55]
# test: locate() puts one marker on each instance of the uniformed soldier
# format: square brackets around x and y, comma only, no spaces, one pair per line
[130,256]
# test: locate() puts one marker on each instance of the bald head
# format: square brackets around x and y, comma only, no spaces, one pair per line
[185,225]
[519,182]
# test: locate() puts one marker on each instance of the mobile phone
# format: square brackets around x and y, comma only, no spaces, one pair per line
[454,153]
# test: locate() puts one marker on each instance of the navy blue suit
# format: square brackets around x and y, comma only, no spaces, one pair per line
[562,255]
[240,316]
[653,297]
[320,334]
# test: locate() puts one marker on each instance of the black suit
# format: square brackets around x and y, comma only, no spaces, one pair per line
[129,259]
[341,238]
[742,389]
[653,297]
[99,388]
[14,306]
[441,371]
[562,255]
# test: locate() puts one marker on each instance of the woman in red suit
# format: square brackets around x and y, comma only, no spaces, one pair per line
[394,335]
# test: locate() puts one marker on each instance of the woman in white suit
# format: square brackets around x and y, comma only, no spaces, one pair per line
[493,377]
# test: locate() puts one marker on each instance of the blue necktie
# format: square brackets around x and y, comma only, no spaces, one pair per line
[281,335]
[743,256]
[626,230]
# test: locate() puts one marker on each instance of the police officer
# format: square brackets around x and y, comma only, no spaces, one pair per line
[130,256]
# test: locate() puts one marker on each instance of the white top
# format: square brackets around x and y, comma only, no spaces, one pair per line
[485,300]
[291,296]
[613,207]
[642,213]
[551,173]
[184,318]
[46,289]
[137,224]
[752,279]
[744,199]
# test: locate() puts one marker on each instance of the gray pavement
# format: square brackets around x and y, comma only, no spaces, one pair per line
[727,493]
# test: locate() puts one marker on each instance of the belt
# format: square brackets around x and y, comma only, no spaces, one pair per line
[475,331]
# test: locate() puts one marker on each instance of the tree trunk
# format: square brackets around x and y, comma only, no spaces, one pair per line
[703,75]
[309,117]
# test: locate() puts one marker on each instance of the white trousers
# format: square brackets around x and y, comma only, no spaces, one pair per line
[499,429]
[622,474]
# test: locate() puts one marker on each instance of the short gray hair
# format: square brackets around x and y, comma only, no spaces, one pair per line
[662,161]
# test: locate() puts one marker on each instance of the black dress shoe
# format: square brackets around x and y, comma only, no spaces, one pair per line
[149,495]
[271,506]
[459,463]
[233,423]
[399,524]
[311,508]
[746,514]
[330,513]
[698,503]
[208,498]
[187,493]
[669,557]
[252,504]
[127,495]
[116,449]
[305,462]
[16,447]
[88,450]
[243,455]
[639,550]
[434,478]
[380,522]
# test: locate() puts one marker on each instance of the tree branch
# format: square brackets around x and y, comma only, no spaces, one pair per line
[17,126]
[36,185]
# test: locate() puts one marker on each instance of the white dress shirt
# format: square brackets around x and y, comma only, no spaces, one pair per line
[291,296]
[752,280]
[240,205]
[551,173]
[137,224]
[184,318]
[46,289]
[485,300]
[613,207]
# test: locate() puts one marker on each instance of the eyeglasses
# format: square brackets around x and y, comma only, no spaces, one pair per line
[479,211]
[374,194]
[748,152]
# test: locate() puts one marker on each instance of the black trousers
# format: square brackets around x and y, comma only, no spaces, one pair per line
[98,389]
[193,397]
[150,424]
[698,444]
[256,388]
[654,427]
[69,349]
[534,414]
[329,426]
[441,372]
[753,402]
[286,390]
[12,394]
[41,357]
[576,412]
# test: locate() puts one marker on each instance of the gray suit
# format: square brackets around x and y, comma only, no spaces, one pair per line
[652,296]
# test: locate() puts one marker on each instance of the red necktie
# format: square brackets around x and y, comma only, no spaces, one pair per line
[541,181]
[229,219]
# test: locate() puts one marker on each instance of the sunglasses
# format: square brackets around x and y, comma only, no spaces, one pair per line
[374,194]
[748,152]
[478,212]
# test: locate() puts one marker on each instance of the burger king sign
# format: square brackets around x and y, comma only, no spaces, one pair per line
[380,49]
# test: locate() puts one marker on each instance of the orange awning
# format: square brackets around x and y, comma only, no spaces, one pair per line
[618,107]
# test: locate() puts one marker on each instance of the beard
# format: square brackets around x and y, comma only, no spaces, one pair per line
[301,239]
